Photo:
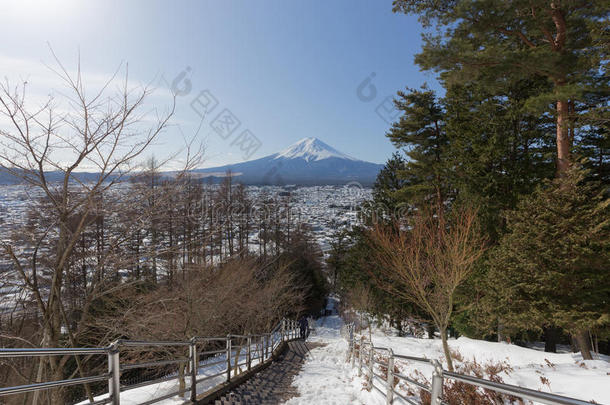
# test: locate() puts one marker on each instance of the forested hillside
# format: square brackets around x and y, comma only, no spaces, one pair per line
[517,146]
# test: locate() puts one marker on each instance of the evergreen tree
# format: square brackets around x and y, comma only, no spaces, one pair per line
[498,150]
[339,246]
[389,183]
[595,146]
[551,268]
[420,131]
[489,41]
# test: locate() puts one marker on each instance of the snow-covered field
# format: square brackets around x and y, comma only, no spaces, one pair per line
[327,378]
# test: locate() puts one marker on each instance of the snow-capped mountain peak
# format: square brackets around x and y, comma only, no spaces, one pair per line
[311,149]
[308,162]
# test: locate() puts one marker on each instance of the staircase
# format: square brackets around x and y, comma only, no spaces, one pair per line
[273,385]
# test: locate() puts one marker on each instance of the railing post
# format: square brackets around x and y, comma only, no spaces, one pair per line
[360,356]
[436,393]
[351,344]
[261,341]
[272,337]
[114,368]
[228,358]
[265,347]
[249,353]
[194,364]
[371,367]
[389,398]
[283,328]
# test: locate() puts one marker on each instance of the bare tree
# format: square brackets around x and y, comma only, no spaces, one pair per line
[361,299]
[46,148]
[426,258]
[239,297]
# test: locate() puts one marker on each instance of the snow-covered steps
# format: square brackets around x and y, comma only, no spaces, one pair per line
[326,378]
[273,385]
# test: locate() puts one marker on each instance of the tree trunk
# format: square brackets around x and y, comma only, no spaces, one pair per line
[237,353]
[439,200]
[430,331]
[582,340]
[573,347]
[564,143]
[500,331]
[398,323]
[551,335]
[58,394]
[446,349]
[39,375]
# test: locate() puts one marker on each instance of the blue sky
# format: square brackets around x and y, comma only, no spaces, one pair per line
[285,69]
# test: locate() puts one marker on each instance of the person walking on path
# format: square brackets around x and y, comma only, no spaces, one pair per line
[303,326]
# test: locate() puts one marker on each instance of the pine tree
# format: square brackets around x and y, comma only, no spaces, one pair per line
[490,41]
[498,150]
[389,183]
[551,268]
[420,131]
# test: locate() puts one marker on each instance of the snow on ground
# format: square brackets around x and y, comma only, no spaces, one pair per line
[326,377]
[567,374]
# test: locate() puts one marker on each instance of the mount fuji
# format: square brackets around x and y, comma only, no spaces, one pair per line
[307,162]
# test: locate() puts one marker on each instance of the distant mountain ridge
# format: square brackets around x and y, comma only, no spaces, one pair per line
[307,162]
[8,178]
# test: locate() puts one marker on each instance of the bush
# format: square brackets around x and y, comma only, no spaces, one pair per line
[459,393]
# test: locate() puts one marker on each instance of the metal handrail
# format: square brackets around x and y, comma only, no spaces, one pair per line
[265,344]
[515,390]
[214,363]
[139,343]
[52,351]
[212,351]
[45,385]
[407,400]
[207,377]
[149,364]
[203,338]
[412,358]
[412,381]
[366,361]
